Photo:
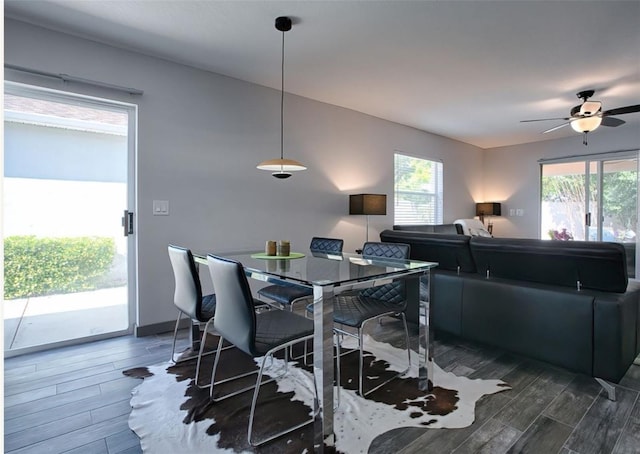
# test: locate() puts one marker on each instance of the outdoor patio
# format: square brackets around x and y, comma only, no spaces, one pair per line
[29,322]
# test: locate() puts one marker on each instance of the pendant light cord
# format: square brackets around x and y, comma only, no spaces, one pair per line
[282,103]
[282,167]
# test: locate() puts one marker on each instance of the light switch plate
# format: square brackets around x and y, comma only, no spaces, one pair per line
[161,208]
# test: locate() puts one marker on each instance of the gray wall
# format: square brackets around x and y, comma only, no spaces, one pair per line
[200,138]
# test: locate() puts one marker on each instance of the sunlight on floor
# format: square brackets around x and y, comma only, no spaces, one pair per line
[30,322]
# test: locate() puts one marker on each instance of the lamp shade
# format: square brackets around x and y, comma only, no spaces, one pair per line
[281,165]
[368,204]
[488,209]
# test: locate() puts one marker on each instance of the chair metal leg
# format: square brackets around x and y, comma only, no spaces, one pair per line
[254,400]
[337,405]
[215,367]
[256,391]
[175,335]
[399,374]
[303,299]
[173,345]
[286,359]
[200,353]
[226,380]
[407,341]
[257,386]
[361,370]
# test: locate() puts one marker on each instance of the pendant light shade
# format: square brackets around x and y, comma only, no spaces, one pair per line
[282,167]
[285,165]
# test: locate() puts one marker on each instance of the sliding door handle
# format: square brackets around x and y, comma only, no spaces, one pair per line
[127,222]
[587,219]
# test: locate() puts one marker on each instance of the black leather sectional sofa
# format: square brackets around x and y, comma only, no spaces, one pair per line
[567,303]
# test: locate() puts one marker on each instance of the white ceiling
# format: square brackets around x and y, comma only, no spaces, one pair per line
[468,70]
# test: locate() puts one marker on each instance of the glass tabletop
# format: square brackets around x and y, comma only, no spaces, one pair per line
[322,269]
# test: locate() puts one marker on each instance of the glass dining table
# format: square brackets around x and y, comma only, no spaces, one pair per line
[327,275]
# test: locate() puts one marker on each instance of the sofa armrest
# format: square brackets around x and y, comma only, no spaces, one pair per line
[616,332]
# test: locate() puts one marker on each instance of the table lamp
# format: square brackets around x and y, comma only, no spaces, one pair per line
[368,204]
[488,209]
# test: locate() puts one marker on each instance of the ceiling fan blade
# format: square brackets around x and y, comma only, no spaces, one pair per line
[622,110]
[556,127]
[545,119]
[610,121]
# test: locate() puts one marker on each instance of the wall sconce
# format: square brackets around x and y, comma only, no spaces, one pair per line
[488,209]
[368,204]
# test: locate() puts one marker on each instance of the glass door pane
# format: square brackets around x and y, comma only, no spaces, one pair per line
[65,189]
[619,205]
[594,201]
[563,206]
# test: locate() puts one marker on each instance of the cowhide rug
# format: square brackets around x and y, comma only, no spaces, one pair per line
[171,415]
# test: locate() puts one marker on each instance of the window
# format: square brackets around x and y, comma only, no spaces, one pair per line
[417,191]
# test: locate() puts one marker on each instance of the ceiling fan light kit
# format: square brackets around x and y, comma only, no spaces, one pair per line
[590,108]
[586,124]
[588,116]
[282,167]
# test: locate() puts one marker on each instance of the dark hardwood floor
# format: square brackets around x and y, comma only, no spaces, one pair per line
[76,400]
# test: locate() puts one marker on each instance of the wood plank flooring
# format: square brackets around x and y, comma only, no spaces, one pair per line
[76,400]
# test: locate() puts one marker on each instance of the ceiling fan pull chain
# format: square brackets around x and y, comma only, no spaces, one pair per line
[584,138]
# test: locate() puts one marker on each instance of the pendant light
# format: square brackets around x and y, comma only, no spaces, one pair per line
[282,167]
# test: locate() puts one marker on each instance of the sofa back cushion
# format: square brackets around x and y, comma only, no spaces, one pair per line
[435,228]
[450,251]
[594,265]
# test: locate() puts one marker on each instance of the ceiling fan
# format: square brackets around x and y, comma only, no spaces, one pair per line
[587,116]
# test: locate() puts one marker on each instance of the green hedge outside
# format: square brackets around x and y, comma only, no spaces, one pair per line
[43,266]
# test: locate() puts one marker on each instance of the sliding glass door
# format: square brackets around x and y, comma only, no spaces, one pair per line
[593,199]
[68,266]
[619,200]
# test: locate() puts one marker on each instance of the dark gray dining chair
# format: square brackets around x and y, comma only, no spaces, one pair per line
[288,295]
[355,308]
[256,334]
[189,300]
